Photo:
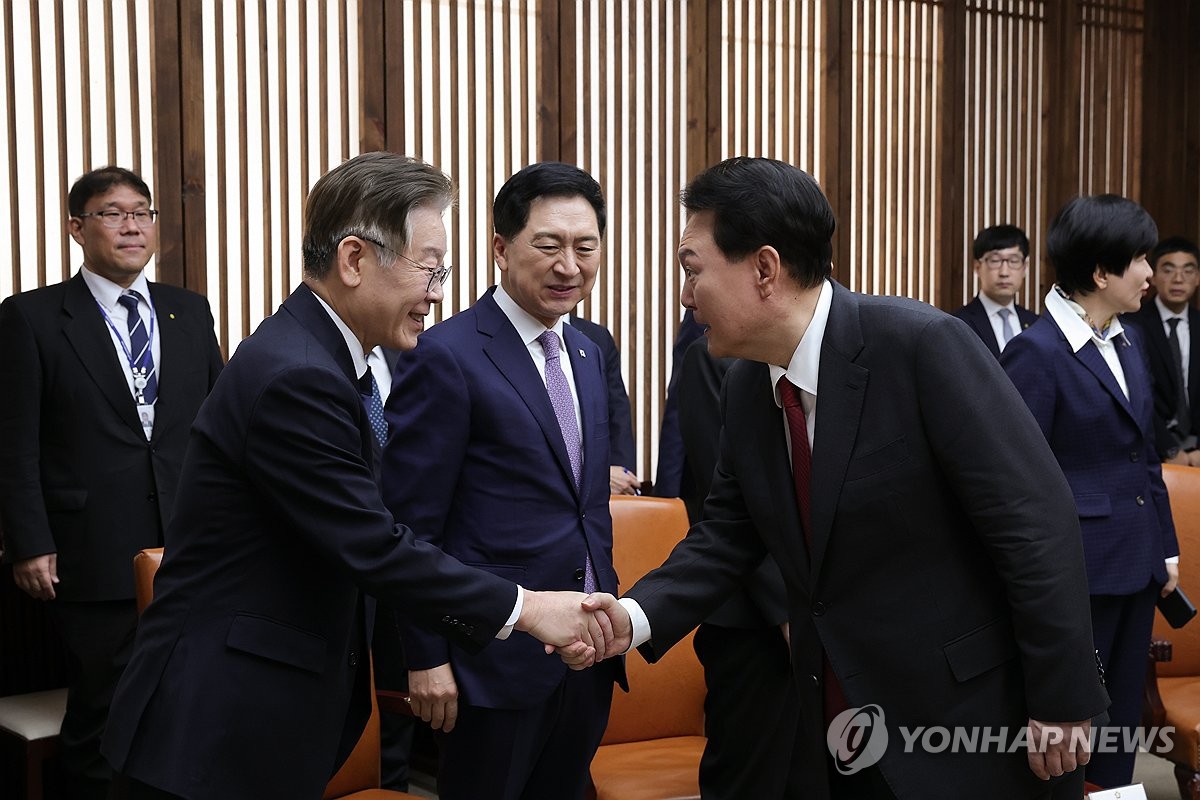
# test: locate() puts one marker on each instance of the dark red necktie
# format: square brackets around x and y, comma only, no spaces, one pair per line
[835,700]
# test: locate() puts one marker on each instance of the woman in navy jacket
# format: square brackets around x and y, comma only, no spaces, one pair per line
[1085,379]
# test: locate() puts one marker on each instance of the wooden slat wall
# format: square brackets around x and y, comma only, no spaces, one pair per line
[280,108]
[897,96]
[1005,132]
[1110,120]
[623,120]
[76,88]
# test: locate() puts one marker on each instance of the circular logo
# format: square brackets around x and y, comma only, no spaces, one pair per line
[857,738]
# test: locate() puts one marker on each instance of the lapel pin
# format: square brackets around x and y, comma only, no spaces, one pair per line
[172,316]
[582,354]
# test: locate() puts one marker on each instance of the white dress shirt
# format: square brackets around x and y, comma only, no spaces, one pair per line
[1068,316]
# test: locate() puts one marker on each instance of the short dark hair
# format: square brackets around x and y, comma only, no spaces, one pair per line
[1173,244]
[371,196]
[760,201]
[1105,231]
[99,181]
[1000,237]
[510,209]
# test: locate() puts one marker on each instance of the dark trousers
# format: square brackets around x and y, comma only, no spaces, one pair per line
[751,715]
[391,672]
[99,640]
[1121,626]
[540,753]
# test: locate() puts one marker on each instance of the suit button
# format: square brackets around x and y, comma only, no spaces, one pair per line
[816,680]
[579,574]
[1133,456]
[470,630]
[446,620]
[353,658]
[818,608]
[1141,501]
[152,497]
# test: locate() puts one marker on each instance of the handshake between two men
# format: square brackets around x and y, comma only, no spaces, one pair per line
[581,628]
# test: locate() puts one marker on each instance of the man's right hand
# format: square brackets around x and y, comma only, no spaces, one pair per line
[36,576]
[601,603]
[433,696]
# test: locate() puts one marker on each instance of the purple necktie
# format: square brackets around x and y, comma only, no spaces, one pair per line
[564,409]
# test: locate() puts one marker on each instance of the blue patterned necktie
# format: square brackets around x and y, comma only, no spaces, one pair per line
[373,401]
[564,409]
[145,381]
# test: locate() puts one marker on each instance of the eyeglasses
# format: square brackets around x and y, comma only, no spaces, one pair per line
[112,218]
[437,275]
[1186,270]
[584,253]
[1013,262]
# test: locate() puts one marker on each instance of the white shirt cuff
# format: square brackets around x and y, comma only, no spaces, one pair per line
[637,618]
[504,632]
[1173,560]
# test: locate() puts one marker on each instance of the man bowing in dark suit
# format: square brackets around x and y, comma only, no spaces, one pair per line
[499,455]
[250,675]
[926,537]
[1171,333]
[1001,261]
[103,375]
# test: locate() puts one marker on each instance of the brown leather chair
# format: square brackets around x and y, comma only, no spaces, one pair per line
[1173,682]
[358,778]
[655,736]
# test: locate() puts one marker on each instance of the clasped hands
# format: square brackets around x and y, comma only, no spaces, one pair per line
[581,628]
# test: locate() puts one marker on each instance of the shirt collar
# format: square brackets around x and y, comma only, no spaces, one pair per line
[106,292]
[806,360]
[352,343]
[1068,315]
[528,328]
[991,306]
[1166,313]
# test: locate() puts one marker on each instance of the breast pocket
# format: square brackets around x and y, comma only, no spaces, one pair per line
[877,460]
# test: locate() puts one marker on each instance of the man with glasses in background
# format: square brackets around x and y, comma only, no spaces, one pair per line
[103,375]
[1001,259]
[499,454]
[1172,339]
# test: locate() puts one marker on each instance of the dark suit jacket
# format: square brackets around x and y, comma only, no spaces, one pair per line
[762,599]
[670,476]
[620,417]
[1105,446]
[974,315]
[1159,358]
[77,476]
[478,467]
[940,592]
[249,677]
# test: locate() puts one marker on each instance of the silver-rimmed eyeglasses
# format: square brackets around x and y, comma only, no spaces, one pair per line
[114,218]
[437,275]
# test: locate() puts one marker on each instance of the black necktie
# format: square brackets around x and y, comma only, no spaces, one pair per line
[1183,414]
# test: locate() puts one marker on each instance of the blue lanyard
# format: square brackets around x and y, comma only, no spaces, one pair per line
[121,340]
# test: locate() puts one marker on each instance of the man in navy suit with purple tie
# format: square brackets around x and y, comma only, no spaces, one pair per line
[499,455]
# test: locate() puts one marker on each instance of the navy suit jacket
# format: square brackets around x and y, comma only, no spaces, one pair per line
[1159,357]
[939,593]
[623,453]
[1105,446]
[476,464]
[249,677]
[77,476]
[974,315]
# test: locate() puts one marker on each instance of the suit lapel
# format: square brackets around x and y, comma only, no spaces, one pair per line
[174,351]
[511,358]
[983,326]
[1193,361]
[88,334]
[1089,355]
[841,390]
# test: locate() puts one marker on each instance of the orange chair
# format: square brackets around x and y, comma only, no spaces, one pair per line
[655,736]
[1173,685]
[358,778]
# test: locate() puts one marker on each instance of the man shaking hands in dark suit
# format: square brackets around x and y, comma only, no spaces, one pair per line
[926,536]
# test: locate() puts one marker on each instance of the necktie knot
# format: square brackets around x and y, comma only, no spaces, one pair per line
[1173,322]
[129,300]
[789,394]
[373,400]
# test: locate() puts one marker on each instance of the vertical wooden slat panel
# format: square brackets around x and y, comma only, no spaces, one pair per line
[13,158]
[264,155]
[60,84]
[243,139]
[135,111]
[110,108]
[283,140]
[39,139]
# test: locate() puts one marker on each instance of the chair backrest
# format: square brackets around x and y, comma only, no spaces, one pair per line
[361,770]
[667,698]
[1183,487]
